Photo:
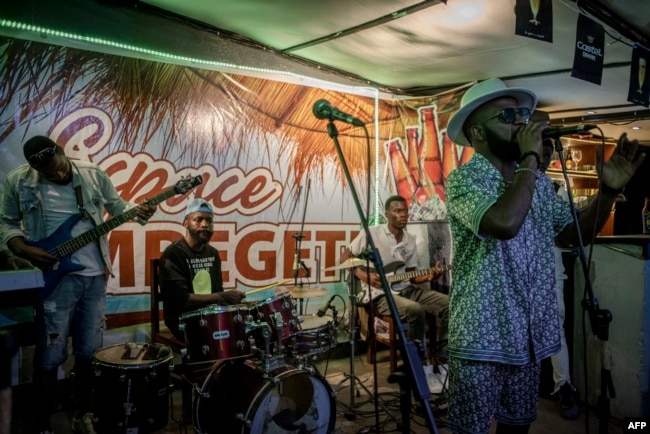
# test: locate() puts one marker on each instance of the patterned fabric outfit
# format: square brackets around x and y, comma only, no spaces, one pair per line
[503,305]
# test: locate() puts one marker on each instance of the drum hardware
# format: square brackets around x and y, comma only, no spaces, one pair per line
[280,315]
[270,360]
[317,337]
[352,377]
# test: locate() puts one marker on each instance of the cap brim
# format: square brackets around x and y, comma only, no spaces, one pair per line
[524,97]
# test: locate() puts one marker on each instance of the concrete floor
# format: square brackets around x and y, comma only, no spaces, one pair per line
[244,386]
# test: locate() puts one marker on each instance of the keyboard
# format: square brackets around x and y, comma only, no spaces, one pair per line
[21,279]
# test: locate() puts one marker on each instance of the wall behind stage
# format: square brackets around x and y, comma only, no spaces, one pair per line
[261,152]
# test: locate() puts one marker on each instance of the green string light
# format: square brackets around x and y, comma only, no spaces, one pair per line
[314,82]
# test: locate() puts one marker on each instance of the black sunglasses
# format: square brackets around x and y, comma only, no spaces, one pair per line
[42,156]
[509,115]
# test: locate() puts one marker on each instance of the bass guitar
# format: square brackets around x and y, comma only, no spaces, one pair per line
[397,279]
[61,245]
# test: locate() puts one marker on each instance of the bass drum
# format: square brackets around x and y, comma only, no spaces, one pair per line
[240,397]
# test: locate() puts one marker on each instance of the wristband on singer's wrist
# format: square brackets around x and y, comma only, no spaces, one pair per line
[529,154]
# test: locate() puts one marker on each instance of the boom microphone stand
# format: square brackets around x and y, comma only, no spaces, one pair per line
[407,348]
[598,318]
[297,261]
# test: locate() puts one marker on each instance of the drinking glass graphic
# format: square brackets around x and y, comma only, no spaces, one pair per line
[576,155]
[534,7]
[642,63]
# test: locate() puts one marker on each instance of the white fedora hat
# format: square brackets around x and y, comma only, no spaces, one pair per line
[478,95]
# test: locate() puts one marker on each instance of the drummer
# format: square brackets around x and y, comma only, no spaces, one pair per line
[190,269]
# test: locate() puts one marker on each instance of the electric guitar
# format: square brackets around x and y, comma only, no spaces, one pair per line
[397,281]
[60,245]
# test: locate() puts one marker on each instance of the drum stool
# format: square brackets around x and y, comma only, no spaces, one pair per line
[390,339]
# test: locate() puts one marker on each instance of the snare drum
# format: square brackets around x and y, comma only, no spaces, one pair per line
[215,333]
[132,388]
[318,335]
[240,397]
[279,312]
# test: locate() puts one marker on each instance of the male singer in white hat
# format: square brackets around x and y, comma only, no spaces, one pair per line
[504,215]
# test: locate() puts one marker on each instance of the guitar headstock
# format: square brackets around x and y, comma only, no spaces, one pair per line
[186,184]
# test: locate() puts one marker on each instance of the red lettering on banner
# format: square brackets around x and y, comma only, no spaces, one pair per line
[222,237]
[138,188]
[139,177]
[332,254]
[221,194]
[266,257]
[252,189]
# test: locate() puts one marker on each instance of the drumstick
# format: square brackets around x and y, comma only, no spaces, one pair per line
[264,288]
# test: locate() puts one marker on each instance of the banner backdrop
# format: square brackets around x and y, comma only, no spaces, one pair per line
[255,142]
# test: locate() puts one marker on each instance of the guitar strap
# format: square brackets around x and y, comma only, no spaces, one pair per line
[80,204]
[80,198]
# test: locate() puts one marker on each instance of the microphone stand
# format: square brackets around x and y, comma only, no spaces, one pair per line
[598,318]
[297,261]
[407,347]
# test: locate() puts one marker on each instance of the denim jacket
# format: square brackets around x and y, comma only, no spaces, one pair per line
[21,208]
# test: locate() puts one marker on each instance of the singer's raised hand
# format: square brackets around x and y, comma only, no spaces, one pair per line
[621,166]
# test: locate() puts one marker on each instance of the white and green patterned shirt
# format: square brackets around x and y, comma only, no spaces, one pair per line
[502,301]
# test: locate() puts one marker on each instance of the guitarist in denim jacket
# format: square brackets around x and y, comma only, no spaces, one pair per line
[39,200]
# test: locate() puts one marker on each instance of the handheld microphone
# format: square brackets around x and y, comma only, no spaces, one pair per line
[323,110]
[552,133]
[295,265]
[323,310]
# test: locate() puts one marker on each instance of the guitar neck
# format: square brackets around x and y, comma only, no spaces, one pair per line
[415,273]
[98,231]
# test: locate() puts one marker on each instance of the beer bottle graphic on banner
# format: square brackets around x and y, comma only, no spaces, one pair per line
[449,156]
[430,164]
[404,180]
[412,137]
[466,154]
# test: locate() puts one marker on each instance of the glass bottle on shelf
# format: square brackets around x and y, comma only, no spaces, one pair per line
[570,165]
[645,215]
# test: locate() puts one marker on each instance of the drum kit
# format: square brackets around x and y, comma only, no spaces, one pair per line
[260,358]
[261,362]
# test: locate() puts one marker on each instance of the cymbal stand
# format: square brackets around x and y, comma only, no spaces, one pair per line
[297,261]
[407,348]
[354,380]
